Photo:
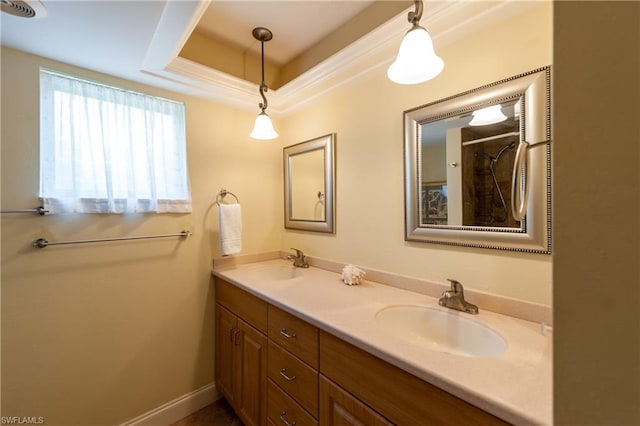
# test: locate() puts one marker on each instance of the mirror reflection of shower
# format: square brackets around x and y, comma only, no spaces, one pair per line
[498,210]
[466,167]
[488,155]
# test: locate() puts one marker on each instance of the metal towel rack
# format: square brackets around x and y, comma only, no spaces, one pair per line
[223,192]
[39,210]
[42,242]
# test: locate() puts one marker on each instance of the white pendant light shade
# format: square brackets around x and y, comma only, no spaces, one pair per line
[263,128]
[488,115]
[416,62]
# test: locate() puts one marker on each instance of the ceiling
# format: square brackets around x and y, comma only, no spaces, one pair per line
[305,33]
[297,26]
[323,43]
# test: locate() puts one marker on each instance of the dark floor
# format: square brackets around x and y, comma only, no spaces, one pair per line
[217,414]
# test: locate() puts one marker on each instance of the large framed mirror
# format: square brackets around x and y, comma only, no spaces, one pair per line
[478,167]
[309,185]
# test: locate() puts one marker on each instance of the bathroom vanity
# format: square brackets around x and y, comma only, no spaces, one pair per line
[299,347]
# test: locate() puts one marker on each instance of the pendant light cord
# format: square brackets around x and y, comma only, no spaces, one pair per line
[263,86]
[263,127]
[415,16]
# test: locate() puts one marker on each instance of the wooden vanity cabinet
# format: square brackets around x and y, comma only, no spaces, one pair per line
[284,410]
[338,407]
[396,395]
[241,352]
[261,348]
[226,379]
[294,334]
[294,377]
[292,369]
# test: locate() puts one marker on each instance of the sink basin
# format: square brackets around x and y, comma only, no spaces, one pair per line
[441,331]
[274,272]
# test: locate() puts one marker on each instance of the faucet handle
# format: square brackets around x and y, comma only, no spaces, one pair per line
[456,286]
[454,299]
[299,253]
[299,260]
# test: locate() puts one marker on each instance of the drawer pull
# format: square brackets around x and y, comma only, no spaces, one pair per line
[284,419]
[285,376]
[287,334]
[234,336]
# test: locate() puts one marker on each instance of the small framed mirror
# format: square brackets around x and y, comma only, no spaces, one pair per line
[478,167]
[309,185]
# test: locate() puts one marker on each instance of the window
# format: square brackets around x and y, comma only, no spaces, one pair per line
[109,150]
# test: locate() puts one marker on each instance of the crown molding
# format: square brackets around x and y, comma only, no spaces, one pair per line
[446,22]
[216,85]
[179,19]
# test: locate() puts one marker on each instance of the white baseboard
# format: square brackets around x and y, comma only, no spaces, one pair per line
[177,409]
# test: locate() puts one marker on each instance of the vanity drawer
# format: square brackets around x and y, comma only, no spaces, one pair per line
[338,407]
[295,335]
[245,305]
[282,410]
[294,376]
[407,400]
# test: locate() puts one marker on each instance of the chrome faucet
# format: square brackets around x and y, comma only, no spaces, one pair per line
[454,299]
[299,260]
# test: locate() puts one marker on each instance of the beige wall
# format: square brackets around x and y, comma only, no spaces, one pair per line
[596,195]
[96,334]
[366,115]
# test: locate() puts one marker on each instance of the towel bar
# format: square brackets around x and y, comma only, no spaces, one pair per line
[39,210]
[42,242]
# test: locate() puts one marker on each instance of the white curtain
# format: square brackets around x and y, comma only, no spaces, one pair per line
[108,150]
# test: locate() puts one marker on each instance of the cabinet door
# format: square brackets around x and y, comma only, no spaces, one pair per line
[339,408]
[252,373]
[226,330]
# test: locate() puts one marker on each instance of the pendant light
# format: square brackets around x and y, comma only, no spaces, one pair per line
[416,62]
[263,128]
[489,115]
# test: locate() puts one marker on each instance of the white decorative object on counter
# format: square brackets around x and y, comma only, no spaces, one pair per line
[352,275]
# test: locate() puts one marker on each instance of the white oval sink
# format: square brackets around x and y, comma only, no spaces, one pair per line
[274,272]
[441,331]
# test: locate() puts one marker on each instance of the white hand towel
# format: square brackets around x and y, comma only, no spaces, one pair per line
[230,229]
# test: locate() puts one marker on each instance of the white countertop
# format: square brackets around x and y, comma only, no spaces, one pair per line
[515,385]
